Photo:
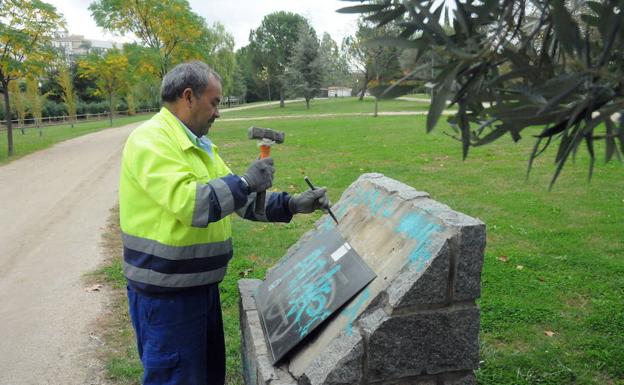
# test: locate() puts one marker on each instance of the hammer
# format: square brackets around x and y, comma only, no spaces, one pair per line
[266,138]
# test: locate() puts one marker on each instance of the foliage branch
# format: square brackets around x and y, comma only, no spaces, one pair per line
[513,65]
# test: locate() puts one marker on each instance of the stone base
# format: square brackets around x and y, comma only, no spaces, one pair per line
[258,370]
[416,323]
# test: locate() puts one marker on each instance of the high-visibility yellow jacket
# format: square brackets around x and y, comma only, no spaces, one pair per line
[174,202]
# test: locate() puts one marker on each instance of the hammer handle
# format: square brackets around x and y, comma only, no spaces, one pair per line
[265,152]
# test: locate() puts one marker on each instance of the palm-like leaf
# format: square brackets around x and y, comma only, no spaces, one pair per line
[513,65]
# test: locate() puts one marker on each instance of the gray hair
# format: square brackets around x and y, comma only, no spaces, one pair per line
[194,75]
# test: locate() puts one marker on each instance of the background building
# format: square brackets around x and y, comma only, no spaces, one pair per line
[74,46]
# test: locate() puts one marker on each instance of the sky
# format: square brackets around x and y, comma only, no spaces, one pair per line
[238,16]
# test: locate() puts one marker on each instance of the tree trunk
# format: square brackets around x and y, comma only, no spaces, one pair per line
[364,88]
[307,103]
[282,97]
[7,114]
[376,107]
[110,108]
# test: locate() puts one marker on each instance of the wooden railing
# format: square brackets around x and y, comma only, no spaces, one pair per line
[49,121]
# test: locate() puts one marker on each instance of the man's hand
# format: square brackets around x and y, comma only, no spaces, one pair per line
[259,175]
[308,201]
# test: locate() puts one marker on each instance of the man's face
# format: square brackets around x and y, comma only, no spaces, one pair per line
[205,108]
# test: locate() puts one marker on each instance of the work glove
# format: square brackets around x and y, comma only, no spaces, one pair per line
[259,176]
[308,201]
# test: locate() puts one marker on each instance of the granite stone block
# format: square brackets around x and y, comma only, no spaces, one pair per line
[430,287]
[340,364]
[425,343]
[469,263]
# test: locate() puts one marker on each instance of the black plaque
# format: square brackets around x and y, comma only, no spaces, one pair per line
[308,287]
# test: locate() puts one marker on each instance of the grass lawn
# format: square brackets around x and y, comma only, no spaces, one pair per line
[328,106]
[31,141]
[554,260]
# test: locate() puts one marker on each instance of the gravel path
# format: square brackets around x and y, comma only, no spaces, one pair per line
[53,207]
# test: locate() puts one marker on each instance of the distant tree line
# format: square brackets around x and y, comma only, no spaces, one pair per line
[285,58]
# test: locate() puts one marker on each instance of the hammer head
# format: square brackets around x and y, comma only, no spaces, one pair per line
[265,133]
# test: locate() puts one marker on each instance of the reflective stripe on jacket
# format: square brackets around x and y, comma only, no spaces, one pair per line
[174,206]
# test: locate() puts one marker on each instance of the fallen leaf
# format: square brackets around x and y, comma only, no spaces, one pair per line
[519,267]
[541,279]
[96,339]
[503,258]
[95,287]
[549,333]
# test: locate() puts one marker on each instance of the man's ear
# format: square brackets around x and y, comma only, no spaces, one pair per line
[187,96]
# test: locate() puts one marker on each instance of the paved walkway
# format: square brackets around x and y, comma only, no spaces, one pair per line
[53,209]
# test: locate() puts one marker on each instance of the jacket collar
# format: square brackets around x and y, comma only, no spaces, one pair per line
[176,128]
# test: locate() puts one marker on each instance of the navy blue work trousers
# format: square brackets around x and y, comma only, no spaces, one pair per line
[179,336]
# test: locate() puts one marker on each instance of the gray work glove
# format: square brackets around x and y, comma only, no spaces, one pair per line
[259,176]
[308,201]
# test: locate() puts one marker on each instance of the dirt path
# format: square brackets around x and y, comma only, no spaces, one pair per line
[53,205]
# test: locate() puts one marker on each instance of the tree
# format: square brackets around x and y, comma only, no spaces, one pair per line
[26,32]
[359,57]
[378,64]
[65,80]
[216,48]
[254,86]
[513,65]
[110,74]
[271,46]
[143,83]
[163,26]
[19,104]
[333,62]
[239,88]
[35,101]
[304,73]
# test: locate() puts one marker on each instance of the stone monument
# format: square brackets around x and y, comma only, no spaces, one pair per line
[416,323]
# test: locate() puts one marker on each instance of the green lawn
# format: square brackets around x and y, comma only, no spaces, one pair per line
[31,141]
[554,260]
[327,106]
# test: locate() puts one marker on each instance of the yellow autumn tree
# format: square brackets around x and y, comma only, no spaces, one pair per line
[27,28]
[17,98]
[109,70]
[35,101]
[64,79]
[163,26]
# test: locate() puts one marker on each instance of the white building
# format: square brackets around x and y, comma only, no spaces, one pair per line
[338,92]
[76,45]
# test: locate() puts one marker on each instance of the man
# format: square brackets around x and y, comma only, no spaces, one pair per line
[176,196]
